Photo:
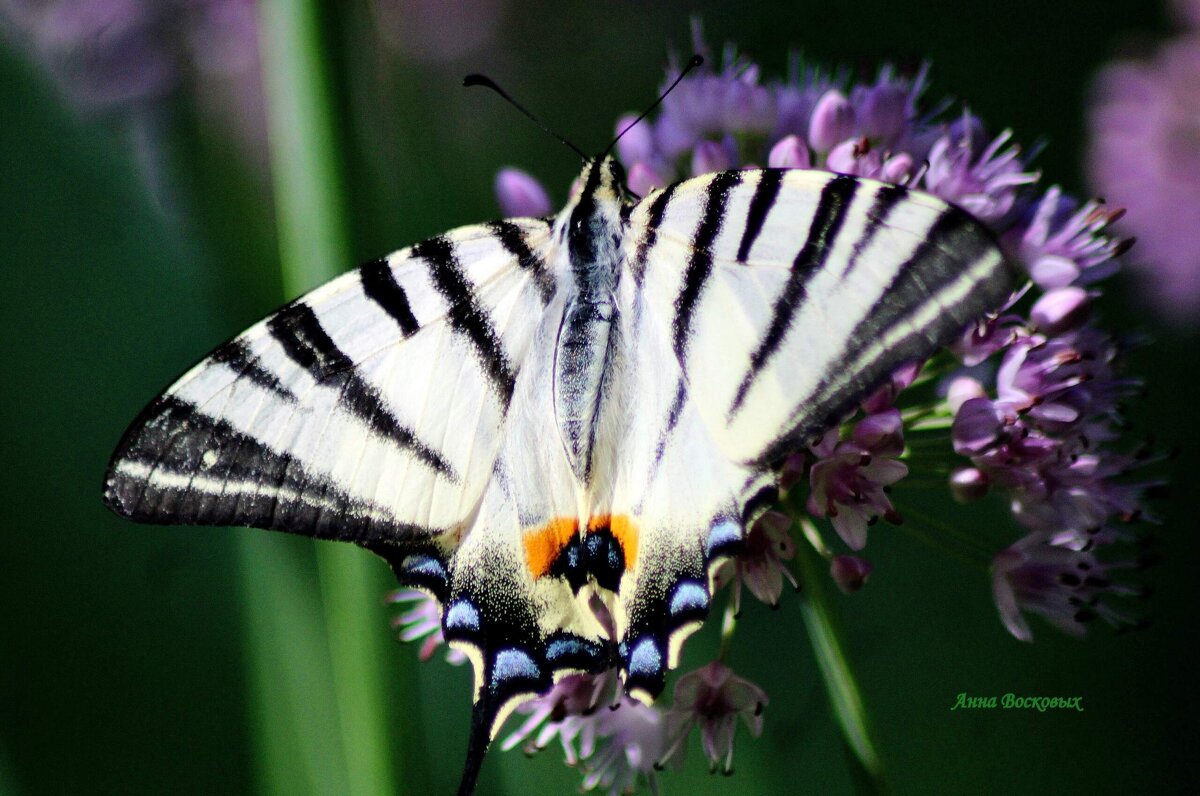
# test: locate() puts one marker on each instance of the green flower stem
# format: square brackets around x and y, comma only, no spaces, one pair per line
[840,684]
[313,245]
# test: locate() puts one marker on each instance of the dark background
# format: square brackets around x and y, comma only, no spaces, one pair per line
[121,647]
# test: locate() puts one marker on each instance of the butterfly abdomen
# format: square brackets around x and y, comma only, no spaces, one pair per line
[583,347]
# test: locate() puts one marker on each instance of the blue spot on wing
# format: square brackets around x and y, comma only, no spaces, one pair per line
[723,538]
[689,597]
[462,615]
[513,665]
[645,660]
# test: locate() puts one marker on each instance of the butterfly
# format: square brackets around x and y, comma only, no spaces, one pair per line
[527,415]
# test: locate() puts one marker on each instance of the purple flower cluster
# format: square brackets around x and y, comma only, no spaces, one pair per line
[114,54]
[1031,397]
[1145,153]
[1046,439]
[121,58]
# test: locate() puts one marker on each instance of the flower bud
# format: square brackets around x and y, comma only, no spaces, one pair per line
[637,142]
[881,433]
[968,484]
[520,194]
[850,572]
[789,153]
[844,158]
[709,156]
[884,112]
[643,178]
[792,471]
[898,168]
[1061,309]
[1051,271]
[963,389]
[832,121]
[977,426]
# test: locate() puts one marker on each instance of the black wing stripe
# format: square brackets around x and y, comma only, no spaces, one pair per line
[512,238]
[827,221]
[953,247]
[669,423]
[466,316]
[765,194]
[654,216]
[699,266]
[238,357]
[183,466]
[886,198]
[953,243]
[305,341]
[379,284]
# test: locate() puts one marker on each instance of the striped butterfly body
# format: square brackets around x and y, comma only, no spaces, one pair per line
[527,416]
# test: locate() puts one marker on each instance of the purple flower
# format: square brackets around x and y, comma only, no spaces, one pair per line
[114,54]
[1067,587]
[566,712]
[1063,245]
[982,182]
[848,480]
[1145,155]
[520,194]
[422,620]
[850,573]
[631,744]
[761,565]
[435,31]
[712,698]
[1034,408]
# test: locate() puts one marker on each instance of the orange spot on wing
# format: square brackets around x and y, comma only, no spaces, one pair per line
[542,545]
[623,529]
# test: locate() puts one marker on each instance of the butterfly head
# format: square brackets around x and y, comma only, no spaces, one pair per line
[591,224]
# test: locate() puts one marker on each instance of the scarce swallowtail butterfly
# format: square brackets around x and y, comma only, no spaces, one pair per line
[526,415]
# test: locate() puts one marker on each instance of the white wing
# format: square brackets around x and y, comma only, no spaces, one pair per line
[369,410]
[764,305]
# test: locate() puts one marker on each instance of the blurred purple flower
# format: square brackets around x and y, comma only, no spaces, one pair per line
[631,744]
[519,194]
[122,58]
[566,712]
[1145,154]
[422,620]
[1067,587]
[437,30]
[712,698]
[109,55]
[850,573]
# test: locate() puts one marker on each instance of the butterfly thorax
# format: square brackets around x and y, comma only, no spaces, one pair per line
[592,229]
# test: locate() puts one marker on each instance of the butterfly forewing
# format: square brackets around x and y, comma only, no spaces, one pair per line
[370,409]
[819,286]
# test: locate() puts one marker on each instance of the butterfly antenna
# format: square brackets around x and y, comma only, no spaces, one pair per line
[487,82]
[695,61]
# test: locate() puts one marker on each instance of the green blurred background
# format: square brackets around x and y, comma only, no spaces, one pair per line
[127,250]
